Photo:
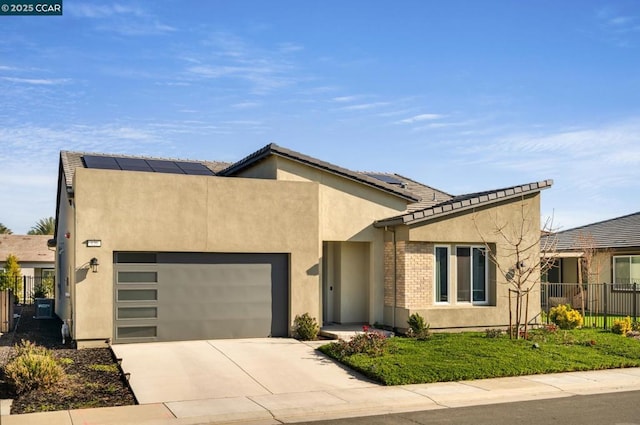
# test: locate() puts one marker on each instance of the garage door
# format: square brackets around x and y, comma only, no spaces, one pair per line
[186,296]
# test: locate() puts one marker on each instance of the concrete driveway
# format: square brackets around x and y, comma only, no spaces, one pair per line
[196,370]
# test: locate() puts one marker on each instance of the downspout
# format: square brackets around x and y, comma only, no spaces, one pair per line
[395,276]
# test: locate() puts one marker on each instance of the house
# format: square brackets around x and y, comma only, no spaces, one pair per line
[614,246]
[596,267]
[36,260]
[159,249]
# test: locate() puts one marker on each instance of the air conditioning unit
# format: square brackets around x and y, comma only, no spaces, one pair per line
[44,308]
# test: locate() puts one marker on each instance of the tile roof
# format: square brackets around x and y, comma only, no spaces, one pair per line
[28,248]
[273,149]
[72,160]
[464,202]
[619,232]
[428,196]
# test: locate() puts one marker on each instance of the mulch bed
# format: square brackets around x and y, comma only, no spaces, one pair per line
[93,377]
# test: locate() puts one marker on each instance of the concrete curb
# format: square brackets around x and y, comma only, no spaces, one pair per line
[345,403]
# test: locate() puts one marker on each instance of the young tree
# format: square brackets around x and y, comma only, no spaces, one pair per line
[591,263]
[44,226]
[12,276]
[520,254]
[4,230]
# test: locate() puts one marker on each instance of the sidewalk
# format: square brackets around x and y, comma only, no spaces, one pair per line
[342,403]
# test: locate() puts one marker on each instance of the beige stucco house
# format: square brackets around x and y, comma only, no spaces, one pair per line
[196,249]
[37,262]
[606,252]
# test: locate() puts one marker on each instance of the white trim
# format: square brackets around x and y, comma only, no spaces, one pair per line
[486,275]
[613,266]
[435,287]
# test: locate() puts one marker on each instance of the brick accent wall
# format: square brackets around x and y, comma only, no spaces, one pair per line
[414,274]
[418,275]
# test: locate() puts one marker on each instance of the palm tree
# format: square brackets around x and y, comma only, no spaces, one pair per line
[44,226]
[4,230]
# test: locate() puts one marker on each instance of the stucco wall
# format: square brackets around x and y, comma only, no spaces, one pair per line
[138,211]
[347,212]
[65,263]
[414,274]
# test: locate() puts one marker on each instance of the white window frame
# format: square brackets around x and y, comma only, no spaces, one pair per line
[448,283]
[486,275]
[628,285]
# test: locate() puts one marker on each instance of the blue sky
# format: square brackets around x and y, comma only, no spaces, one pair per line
[462,95]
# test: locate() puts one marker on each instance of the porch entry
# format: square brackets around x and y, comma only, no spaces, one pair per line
[345,282]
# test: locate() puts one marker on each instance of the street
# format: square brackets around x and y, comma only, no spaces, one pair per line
[602,409]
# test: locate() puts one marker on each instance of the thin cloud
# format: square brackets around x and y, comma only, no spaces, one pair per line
[36,81]
[421,117]
[364,106]
[97,11]
[344,99]
[229,56]
[289,47]
[122,19]
[246,105]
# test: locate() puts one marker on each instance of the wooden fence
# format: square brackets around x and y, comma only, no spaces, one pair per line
[6,311]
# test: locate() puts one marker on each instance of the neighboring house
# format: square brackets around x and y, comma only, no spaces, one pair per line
[195,250]
[585,258]
[35,259]
[615,244]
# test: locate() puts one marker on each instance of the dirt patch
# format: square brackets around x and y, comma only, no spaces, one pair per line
[93,377]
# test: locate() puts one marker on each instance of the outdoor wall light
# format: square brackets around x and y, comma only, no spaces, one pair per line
[93,263]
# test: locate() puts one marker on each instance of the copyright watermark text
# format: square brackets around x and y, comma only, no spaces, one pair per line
[33,7]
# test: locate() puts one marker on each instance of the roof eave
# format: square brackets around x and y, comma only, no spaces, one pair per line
[435,212]
[273,149]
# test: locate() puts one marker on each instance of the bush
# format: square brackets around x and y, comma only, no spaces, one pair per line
[33,367]
[492,333]
[566,317]
[305,327]
[418,328]
[372,344]
[621,326]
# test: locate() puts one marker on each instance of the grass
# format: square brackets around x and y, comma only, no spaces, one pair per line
[109,368]
[465,356]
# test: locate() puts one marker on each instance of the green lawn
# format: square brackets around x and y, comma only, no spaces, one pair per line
[463,356]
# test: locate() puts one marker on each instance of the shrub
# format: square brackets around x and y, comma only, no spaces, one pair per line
[492,333]
[621,326]
[565,317]
[635,326]
[372,344]
[305,327]
[418,328]
[33,367]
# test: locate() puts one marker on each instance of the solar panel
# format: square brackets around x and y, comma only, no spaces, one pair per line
[100,162]
[194,168]
[149,165]
[386,178]
[133,164]
[161,166]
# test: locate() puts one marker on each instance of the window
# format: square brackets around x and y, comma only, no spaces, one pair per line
[626,271]
[472,274]
[137,277]
[441,274]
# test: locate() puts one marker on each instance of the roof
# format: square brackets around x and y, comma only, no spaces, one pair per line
[28,248]
[427,195]
[464,202]
[619,232]
[72,160]
[273,149]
